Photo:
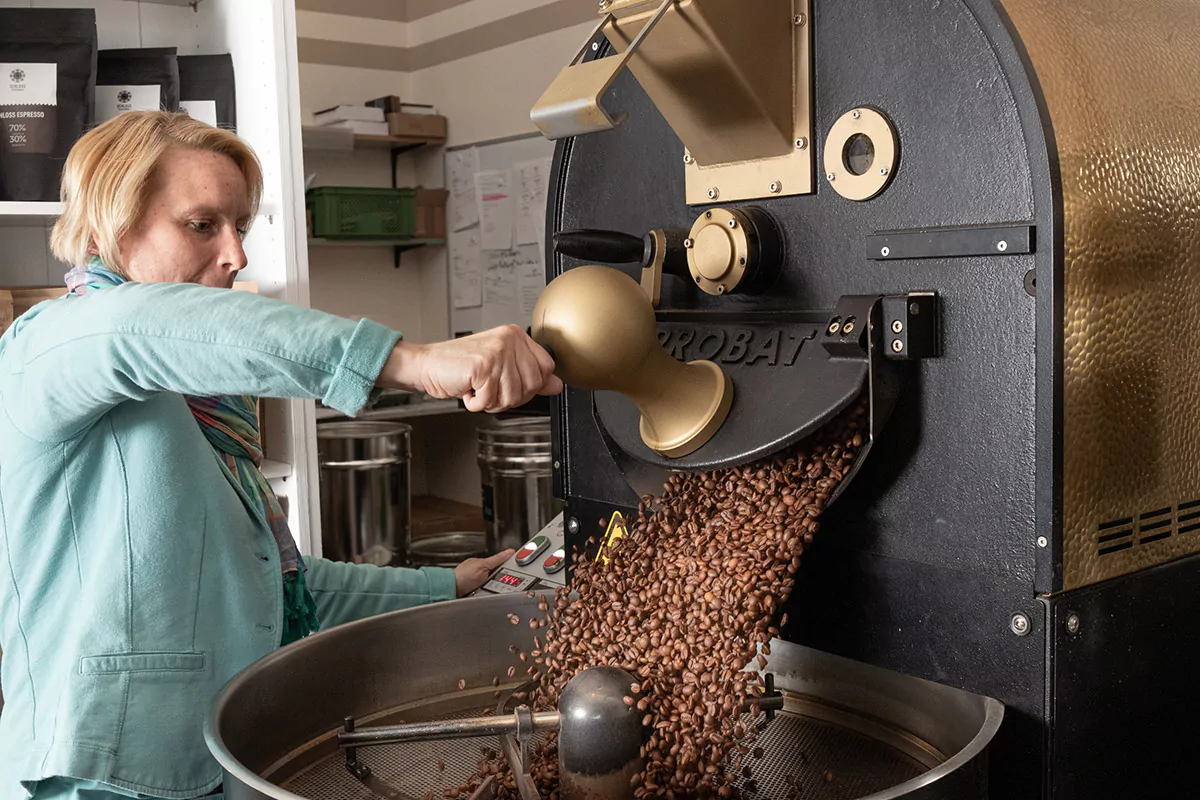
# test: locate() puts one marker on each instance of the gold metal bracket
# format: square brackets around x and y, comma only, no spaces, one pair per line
[572,105]
[652,273]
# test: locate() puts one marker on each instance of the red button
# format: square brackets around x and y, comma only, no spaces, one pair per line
[555,562]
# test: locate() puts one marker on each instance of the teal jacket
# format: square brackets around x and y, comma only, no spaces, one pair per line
[135,580]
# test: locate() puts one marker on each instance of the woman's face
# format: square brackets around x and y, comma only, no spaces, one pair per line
[192,228]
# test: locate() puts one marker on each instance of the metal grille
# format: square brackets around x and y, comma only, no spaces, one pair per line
[806,749]
[823,761]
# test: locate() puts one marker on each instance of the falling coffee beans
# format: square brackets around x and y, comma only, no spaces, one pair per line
[685,602]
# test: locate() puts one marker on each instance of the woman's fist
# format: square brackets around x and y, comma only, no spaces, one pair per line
[491,371]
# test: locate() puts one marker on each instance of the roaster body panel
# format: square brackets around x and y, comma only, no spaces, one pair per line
[956,522]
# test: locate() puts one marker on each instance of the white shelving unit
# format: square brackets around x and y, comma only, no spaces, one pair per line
[260,35]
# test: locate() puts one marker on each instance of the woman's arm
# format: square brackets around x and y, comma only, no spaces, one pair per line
[346,592]
[78,357]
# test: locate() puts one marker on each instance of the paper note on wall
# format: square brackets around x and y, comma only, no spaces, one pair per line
[461,166]
[532,178]
[500,293]
[466,271]
[494,192]
[531,280]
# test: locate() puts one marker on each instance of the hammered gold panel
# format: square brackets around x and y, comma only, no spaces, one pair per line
[1121,80]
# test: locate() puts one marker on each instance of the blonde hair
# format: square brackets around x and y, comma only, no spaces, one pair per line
[109,173]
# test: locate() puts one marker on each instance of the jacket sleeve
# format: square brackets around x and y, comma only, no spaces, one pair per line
[347,592]
[67,362]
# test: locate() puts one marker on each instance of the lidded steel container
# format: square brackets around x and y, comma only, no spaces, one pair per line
[515,469]
[366,491]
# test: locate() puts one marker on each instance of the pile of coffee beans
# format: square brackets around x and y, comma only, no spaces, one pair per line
[686,602]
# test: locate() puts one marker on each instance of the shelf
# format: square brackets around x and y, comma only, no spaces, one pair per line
[345,140]
[403,244]
[273,470]
[28,214]
[429,408]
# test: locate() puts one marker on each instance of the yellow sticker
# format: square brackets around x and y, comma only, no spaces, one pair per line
[616,530]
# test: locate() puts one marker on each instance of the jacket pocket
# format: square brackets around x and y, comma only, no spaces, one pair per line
[142,662]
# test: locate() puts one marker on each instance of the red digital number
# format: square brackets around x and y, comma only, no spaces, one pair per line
[511,580]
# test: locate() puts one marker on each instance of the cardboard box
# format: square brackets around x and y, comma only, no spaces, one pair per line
[362,128]
[390,104]
[26,297]
[431,213]
[423,126]
[328,116]
[6,310]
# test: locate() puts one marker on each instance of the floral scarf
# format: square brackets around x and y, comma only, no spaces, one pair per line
[231,426]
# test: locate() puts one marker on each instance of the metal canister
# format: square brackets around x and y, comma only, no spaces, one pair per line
[447,549]
[366,491]
[515,471]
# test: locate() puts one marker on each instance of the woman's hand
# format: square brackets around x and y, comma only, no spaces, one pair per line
[491,371]
[472,573]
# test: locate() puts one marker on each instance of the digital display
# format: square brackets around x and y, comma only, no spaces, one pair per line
[509,579]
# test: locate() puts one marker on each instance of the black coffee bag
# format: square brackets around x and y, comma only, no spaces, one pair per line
[136,79]
[207,91]
[47,79]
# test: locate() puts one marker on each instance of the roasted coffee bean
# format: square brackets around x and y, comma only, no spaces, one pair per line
[686,601]
[514,619]
[462,684]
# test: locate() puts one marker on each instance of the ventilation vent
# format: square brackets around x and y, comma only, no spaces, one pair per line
[1148,527]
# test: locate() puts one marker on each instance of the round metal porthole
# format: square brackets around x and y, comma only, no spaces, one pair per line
[860,154]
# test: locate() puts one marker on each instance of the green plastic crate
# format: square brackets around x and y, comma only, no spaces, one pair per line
[355,212]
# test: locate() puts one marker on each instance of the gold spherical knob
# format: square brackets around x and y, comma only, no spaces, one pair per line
[601,329]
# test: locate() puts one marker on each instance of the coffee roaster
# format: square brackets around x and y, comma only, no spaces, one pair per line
[983,215]
[979,217]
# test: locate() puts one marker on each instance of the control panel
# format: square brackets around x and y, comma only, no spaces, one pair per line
[538,564]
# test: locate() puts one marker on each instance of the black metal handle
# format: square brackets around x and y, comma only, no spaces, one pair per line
[607,247]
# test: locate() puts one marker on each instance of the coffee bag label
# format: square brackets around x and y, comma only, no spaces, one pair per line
[114,100]
[203,110]
[28,107]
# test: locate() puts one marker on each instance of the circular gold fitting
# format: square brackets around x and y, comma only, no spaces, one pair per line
[876,127]
[720,254]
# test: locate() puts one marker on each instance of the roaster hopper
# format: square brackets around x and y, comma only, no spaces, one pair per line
[846,731]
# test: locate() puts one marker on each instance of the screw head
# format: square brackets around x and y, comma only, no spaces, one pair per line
[885,252]
[557,465]
[914,308]
[687,158]
[573,525]
[1073,624]
[689,244]
[834,327]
[802,143]
[897,326]
[732,224]
[714,193]
[1019,624]
[776,187]
[848,328]
[897,346]
[883,171]
[856,114]
[595,46]
[799,19]
[697,280]
[1002,246]
[829,176]
[605,3]
[720,288]
[741,262]
[1043,541]
[708,215]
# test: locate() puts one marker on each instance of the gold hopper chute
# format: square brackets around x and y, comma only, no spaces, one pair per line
[732,78]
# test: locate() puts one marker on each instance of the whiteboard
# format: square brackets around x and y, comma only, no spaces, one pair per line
[502,154]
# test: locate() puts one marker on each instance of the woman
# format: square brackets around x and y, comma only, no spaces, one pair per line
[146,559]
